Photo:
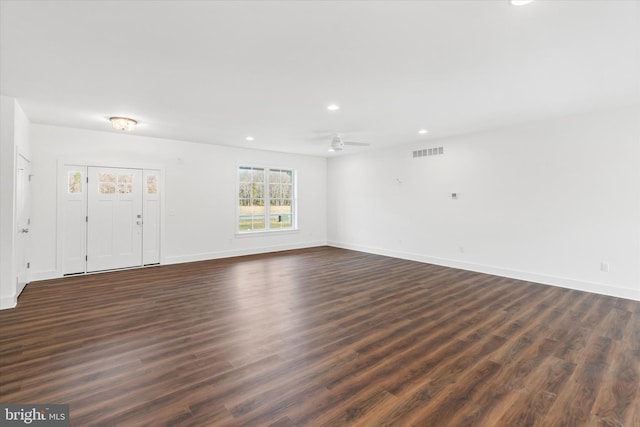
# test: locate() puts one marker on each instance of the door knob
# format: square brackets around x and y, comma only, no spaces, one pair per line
[24,230]
[139,222]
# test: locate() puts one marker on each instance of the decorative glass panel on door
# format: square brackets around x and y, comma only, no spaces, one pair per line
[107,188]
[152,184]
[75,182]
[125,184]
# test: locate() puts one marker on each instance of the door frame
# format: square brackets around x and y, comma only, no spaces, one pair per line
[23,245]
[105,164]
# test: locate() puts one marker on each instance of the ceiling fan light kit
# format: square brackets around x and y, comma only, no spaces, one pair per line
[337,143]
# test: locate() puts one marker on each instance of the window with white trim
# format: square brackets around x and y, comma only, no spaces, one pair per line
[266,199]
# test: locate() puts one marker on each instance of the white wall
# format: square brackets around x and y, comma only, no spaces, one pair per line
[199,194]
[546,202]
[14,141]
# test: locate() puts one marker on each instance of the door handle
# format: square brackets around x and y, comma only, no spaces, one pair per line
[139,222]
[24,230]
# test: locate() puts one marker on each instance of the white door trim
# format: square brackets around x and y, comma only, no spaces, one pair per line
[23,244]
[59,272]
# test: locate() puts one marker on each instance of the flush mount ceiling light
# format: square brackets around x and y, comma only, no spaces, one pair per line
[333,107]
[423,131]
[520,2]
[123,123]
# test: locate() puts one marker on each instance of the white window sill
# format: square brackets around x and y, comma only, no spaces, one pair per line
[266,232]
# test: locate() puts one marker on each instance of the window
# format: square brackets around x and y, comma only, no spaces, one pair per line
[109,182]
[265,199]
[75,181]
[152,184]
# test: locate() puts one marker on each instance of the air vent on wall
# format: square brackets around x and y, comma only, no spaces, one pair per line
[435,151]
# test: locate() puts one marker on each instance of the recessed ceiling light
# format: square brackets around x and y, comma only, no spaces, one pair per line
[423,131]
[333,107]
[520,2]
[249,138]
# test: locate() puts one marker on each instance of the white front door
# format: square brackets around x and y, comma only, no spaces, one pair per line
[23,216]
[114,227]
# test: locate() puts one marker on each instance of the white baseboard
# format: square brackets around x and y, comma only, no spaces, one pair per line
[20,289]
[54,274]
[240,252]
[8,302]
[563,282]
[12,301]
[598,288]
[45,275]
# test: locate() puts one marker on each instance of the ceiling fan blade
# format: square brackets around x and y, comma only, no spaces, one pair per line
[318,138]
[361,144]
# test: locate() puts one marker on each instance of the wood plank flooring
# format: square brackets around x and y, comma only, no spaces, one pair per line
[321,337]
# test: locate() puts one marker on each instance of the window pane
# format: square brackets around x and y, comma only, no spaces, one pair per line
[75,182]
[250,207]
[107,177]
[274,176]
[107,188]
[245,190]
[284,209]
[257,190]
[287,191]
[275,191]
[244,175]
[257,223]
[124,187]
[257,208]
[274,221]
[152,184]
[125,178]
[124,184]
[244,223]
[244,212]
[285,221]
[280,221]
[257,175]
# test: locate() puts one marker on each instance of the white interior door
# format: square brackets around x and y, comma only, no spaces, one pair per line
[23,216]
[114,227]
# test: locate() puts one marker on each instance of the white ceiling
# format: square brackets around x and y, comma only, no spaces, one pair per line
[218,71]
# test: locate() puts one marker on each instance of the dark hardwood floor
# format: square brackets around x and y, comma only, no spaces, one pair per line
[321,337]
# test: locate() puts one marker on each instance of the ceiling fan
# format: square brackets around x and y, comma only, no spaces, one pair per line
[337,143]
